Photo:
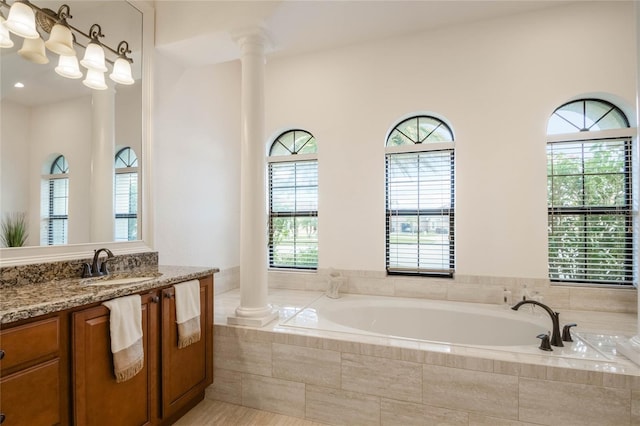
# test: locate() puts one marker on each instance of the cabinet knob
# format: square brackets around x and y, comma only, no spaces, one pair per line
[1,354]
[155,299]
[2,417]
[168,296]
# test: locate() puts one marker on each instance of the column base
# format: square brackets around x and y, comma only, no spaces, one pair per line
[630,349]
[253,317]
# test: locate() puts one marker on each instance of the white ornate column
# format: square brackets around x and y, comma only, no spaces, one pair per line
[631,349]
[254,310]
[102,165]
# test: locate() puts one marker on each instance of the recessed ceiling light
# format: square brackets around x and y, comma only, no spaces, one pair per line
[18,85]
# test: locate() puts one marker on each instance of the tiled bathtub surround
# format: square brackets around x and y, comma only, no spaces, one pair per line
[44,272]
[346,379]
[464,288]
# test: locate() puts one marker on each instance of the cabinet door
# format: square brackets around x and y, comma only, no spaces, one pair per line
[98,398]
[188,371]
[32,396]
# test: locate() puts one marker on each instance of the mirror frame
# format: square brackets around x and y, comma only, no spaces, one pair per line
[39,254]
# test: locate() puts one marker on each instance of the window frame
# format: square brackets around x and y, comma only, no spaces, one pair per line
[58,171]
[130,168]
[583,136]
[292,157]
[421,145]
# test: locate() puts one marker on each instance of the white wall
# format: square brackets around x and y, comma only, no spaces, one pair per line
[196,148]
[496,82]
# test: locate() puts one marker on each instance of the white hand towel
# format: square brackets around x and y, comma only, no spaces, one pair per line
[125,327]
[188,312]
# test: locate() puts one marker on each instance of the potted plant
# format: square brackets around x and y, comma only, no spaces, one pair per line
[14,229]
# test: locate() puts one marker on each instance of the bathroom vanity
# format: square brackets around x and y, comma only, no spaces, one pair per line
[56,362]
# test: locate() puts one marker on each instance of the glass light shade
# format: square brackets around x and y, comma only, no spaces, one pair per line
[95,80]
[22,21]
[61,40]
[5,38]
[121,72]
[33,50]
[94,58]
[68,67]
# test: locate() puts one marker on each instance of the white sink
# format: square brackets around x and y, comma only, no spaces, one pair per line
[105,281]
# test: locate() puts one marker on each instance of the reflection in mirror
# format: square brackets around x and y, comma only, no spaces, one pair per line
[70,154]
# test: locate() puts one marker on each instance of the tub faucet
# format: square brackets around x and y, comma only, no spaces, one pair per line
[95,270]
[556,339]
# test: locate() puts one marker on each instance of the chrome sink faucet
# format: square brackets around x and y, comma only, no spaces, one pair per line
[96,269]
[556,339]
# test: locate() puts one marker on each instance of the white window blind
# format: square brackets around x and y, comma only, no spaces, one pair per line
[293,213]
[590,211]
[420,212]
[126,206]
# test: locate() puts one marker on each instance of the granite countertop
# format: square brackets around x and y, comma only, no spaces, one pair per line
[31,300]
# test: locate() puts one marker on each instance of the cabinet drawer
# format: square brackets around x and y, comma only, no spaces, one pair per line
[32,396]
[29,342]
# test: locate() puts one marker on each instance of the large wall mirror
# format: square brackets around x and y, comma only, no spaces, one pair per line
[74,159]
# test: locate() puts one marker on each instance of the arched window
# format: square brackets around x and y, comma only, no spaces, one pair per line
[293,201]
[420,198]
[589,196]
[56,208]
[126,195]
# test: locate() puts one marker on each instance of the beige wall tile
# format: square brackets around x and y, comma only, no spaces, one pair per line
[570,375]
[230,353]
[469,363]
[475,293]
[635,407]
[428,289]
[602,299]
[308,365]
[407,413]
[227,386]
[400,380]
[279,396]
[392,352]
[556,403]
[474,391]
[369,285]
[480,420]
[338,407]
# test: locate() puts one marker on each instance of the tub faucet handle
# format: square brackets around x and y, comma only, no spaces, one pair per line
[566,332]
[544,342]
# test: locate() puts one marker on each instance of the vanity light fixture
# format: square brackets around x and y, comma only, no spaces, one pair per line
[94,53]
[68,67]
[22,20]
[33,50]
[5,38]
[61,39]
[27,20]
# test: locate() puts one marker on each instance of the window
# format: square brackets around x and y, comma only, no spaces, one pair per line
[293,201]
[126,195]
[589,194]
[420,198]
[56,207]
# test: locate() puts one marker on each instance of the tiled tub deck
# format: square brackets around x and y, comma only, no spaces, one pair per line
[337,378]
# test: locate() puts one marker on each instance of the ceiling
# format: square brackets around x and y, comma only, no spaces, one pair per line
[199,32]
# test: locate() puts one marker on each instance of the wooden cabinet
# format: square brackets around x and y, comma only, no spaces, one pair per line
[172,381]
[188,371]
[98,398]
[34,370]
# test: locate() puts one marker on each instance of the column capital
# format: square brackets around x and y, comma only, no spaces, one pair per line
[255,36]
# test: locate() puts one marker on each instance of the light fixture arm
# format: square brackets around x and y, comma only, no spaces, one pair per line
[64,13]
